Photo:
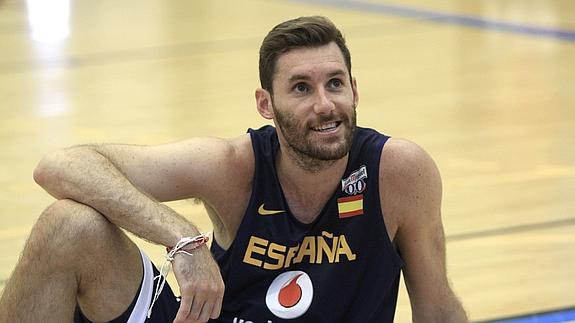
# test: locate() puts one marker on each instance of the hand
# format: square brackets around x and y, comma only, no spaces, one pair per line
[201,286]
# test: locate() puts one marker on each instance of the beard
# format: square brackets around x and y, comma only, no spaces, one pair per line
[310,151]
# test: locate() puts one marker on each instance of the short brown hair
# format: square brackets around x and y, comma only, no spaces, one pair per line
[313,31]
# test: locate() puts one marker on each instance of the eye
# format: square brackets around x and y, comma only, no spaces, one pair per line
[301,88]
[335,83]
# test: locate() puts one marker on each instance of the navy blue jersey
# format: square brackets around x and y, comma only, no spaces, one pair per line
[340,268]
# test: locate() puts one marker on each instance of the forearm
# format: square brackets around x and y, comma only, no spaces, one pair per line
[86,176]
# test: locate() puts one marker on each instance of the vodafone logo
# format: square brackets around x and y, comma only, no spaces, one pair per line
[290,294]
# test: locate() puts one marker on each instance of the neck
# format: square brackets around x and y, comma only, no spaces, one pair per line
[306,163]
[292,162]
[308,184]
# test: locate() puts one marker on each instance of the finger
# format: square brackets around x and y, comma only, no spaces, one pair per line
[184,310]
[217,308]
[206,311]
[197,305]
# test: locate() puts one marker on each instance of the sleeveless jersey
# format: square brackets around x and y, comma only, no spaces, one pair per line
[340,268]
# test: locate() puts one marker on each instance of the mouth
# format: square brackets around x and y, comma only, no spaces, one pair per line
[327,127]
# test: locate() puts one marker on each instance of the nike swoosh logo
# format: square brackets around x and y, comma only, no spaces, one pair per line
[263,211]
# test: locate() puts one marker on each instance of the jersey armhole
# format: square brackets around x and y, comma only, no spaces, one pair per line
[390,247]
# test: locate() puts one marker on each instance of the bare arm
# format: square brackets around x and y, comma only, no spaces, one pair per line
[127,184]
[414,195]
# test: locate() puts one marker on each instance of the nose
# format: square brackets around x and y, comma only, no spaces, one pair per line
[323,104]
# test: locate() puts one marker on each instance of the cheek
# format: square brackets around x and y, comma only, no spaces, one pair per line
[346,103]
[294,108]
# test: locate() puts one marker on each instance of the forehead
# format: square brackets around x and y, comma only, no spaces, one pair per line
[309,61]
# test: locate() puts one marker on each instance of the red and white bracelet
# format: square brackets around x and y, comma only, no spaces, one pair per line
[186,245]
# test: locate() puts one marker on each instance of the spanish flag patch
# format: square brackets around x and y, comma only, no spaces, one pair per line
[350,206]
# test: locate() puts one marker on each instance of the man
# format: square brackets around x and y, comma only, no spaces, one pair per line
[313,220]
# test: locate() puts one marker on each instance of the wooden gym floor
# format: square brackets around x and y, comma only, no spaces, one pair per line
[487,87]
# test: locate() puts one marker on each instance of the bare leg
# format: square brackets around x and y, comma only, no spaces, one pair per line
[73,256]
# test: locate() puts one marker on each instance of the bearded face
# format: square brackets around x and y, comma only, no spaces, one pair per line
[313,105]
[306,138]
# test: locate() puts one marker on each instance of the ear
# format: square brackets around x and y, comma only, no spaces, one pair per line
[355,93]
[264,103]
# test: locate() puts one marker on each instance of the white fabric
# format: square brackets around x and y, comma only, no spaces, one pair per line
[140,310]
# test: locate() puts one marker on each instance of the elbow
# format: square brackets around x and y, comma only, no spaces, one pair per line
[39,174]
[54,172]
[47,169]
[59,173]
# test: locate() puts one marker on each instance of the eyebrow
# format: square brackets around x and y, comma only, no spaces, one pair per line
[303,77]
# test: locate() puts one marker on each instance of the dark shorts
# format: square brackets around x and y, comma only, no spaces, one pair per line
[164,310]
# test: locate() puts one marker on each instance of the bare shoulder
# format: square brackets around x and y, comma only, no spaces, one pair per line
[230,151]
[215,152]
[242,158]
[226,166]
[410,183]
[403,160]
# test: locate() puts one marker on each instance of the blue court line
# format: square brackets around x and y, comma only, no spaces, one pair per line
[558,316]
[452,19]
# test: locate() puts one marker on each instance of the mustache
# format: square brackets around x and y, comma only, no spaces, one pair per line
[328,118]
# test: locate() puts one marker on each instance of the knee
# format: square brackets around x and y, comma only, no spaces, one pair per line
[67,224]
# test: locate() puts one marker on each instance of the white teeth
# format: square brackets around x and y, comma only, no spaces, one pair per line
[326,127]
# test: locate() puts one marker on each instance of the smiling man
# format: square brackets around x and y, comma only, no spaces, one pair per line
[325,214]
